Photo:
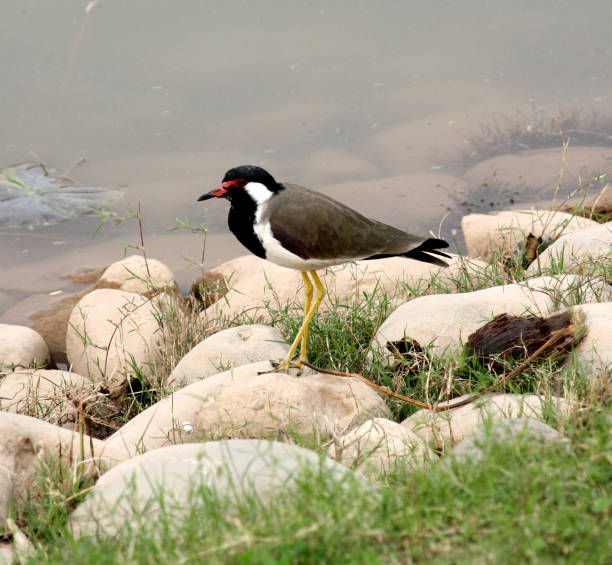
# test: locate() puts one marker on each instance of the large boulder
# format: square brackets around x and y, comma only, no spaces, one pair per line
[447,429]
[21,347]
[110,331]
[452,318]
[536,171]
[251,402]
[486,235]
[577,250]
[28,443]
[137,274]
[258,287]
[378,445]
[233,347]
[46,394]
[169,482]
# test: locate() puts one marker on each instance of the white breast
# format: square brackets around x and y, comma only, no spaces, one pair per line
[276,253]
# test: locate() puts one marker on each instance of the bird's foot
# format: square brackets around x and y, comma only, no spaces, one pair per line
[285,365]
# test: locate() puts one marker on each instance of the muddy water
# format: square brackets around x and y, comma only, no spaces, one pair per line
[376,103]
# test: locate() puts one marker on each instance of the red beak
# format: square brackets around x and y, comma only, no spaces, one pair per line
[220,191]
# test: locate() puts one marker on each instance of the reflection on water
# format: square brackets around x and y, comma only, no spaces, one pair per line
[161,98]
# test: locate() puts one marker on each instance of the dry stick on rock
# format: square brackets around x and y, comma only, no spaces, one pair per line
[557,342]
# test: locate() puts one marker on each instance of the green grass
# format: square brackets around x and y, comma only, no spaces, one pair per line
[525,502]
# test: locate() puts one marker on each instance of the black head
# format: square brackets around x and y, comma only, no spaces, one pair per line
[237,178]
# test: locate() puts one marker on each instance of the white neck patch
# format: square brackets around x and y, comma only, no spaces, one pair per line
[258,192]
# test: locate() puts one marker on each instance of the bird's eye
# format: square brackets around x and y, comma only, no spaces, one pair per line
[241,183]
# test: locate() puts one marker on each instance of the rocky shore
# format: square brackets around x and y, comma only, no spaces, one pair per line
[131,403]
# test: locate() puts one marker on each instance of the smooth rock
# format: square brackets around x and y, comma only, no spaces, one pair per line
[379,444]
[243,403]
[21,346]
[258,286]
[452,318]
[134,274]
[27,442]
[171,479]
[233,347]
[486,235]
[577,250]
[110,328]
[473,448]
[49,395]
[7,553]
[595,350]
[537,170]
[444,429]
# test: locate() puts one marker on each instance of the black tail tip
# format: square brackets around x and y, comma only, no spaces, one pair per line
[432,245]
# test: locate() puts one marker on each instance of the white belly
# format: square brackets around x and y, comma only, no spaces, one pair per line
[276,253]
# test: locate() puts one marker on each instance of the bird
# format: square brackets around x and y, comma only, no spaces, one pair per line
[302,229]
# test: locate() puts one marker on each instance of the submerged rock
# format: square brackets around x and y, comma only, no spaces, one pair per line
[31,196]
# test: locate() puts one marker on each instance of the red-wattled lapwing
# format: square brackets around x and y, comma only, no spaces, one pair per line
[301,229]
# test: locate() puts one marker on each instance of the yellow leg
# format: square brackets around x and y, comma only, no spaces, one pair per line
[307,303]
[303,331]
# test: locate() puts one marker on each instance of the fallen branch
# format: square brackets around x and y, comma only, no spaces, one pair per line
[556,344]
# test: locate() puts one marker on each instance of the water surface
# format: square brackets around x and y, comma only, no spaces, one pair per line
[162,97]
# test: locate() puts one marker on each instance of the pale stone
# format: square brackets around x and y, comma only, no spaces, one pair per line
[171,479]
[244,403]
[7,553]
[23,547]
[134,274]
[233,347]
[486,235]
[444,429]
[258,286]
[379,444]
[595,350]
[50,395]
[25,442]
[21,347]
[452,318]
[473,447]
[576,250]
[107,329]
[537,170]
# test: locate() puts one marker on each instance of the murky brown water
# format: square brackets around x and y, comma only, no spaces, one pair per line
[162,97]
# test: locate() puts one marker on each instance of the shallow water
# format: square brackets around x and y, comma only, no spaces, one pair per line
[162,97]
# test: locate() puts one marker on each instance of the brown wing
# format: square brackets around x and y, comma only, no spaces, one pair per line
[315,226]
